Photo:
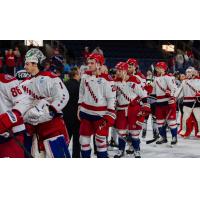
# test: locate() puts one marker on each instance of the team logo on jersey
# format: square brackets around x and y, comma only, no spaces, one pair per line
[99,81]
[41,79]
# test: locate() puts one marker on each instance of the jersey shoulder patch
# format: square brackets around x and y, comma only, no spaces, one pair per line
[49,74]
[5,78]
[134,79]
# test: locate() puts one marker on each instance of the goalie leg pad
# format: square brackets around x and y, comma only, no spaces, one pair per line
[186,114]
[196,112]
[56,147]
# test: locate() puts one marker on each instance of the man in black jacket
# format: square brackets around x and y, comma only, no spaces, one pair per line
[70,111]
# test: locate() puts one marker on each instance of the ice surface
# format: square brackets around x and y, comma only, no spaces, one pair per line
[186,148]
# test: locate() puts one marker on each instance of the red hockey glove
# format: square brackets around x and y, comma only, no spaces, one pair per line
[172,103]
[109,120]
[148,88]
[140,120]
[9,120]
[145,110]
[168,93]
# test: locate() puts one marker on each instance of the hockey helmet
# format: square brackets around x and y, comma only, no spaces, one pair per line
[98,57]
[162,65]
[34,55]
[190,72]
[132,61]
[122,66]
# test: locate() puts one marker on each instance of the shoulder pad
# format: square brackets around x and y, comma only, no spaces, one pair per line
[107,77]
[5,78]
[88,72]
[134,79]
[118,80]
[141,75]
[49,74]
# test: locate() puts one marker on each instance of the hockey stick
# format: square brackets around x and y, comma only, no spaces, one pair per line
[154,139]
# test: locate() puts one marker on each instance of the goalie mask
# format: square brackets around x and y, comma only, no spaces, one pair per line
[190,72]
[34,55]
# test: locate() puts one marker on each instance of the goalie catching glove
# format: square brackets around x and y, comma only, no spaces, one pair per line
[40,113]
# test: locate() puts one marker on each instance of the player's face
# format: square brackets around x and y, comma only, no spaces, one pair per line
[92,64]
[159,71]
[120,73]
[182,77]
[30,67]
[131,69]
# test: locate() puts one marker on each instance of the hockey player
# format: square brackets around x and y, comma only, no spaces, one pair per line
[190,92]
[49,96]
[133,69]
[130,114]
[164,88]
[152,101]
[12,129]
[97,97]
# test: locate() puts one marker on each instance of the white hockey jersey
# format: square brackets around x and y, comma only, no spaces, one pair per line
[48,86]
[142,78]
[160,85]
[188,90]
[97,95]
[128,91]
[12,97]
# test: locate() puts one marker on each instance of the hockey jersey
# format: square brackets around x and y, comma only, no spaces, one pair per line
[189,90]
[142,78]
[128,91]
[161,85]
[48,86]
[97,96]
[12,97]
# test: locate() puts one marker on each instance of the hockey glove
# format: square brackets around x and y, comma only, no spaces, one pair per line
[148,88]
[172,103]
[168,93]
[9,120]
[145,109]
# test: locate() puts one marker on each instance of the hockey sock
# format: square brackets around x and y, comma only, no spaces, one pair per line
[122,144]
[162,131]
[174,132]
[86,154]
[102,154]
[136,144]
[101,143]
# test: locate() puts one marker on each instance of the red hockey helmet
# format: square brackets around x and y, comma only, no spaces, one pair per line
[98,57]
[162,65]
[132,61]
[122,66]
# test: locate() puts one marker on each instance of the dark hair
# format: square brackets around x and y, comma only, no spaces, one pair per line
[73,72]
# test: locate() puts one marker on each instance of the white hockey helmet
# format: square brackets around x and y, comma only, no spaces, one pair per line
[34,55]
[190,72]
